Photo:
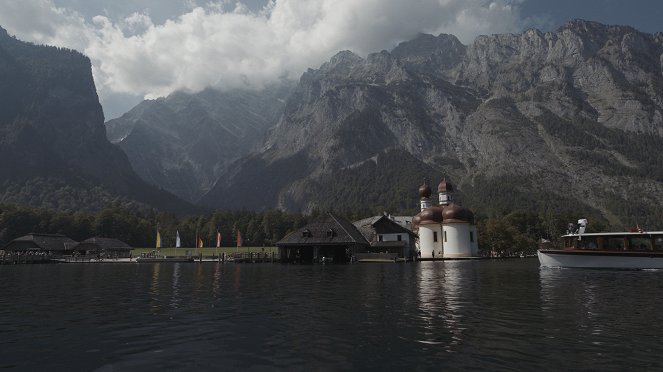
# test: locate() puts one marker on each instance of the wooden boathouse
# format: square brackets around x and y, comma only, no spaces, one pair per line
[328,238]
[104,248]
[36,248]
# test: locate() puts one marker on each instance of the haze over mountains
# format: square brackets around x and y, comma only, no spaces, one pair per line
[562,121]
[185,142]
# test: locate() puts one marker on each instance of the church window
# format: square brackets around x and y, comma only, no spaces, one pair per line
[399,237]
[434,236]
[445,236]
[379,238]
[471,236]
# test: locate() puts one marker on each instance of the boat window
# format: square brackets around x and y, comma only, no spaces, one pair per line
[658,244]
[567,243]
[587,243]
[639,244]
[614,244]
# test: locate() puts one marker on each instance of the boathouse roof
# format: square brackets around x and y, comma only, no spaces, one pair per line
[44,242]
[103,244]
[327,229]
[371,226]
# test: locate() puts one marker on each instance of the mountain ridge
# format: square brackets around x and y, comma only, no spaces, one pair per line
[561,114]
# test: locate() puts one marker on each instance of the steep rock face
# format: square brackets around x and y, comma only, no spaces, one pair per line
[184,142]
[53,143]
[567,119]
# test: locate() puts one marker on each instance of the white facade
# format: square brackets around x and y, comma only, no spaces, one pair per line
[456,240]
[430,241]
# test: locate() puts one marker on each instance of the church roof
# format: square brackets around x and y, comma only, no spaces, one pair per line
[327,229]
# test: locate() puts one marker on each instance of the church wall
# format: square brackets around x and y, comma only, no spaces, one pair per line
[427,243]
[457,242]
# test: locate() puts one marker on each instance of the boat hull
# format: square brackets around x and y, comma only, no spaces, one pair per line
[164,259]
[601,259]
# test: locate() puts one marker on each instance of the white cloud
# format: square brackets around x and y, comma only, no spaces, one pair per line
[226,45]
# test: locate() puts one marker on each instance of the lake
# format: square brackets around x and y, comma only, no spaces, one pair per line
[487,314]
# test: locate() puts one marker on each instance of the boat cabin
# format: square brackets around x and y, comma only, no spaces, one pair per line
[617,241]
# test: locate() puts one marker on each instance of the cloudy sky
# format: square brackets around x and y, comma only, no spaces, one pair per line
[150,48]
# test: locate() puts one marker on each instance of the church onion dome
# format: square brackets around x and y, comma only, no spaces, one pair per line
[429,216]
[424,191]
[456,213]
[445,186]
[415,222]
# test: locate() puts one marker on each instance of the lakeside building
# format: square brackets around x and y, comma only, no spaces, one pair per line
[385,235]
[54,244]
[446,230]
[104,247]
[327,238]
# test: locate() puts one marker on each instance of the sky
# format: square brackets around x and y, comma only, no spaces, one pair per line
[144,49]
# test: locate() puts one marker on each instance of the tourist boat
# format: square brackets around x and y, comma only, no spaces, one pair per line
[615,250]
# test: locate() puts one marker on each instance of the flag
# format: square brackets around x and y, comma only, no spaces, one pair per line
[200,243]
[239,238]
[158,240]
[177,239]
[218,238]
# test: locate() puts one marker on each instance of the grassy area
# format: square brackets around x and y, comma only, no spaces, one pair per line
[206,251]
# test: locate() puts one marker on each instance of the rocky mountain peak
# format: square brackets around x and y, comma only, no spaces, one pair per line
[562,115]
[341,62]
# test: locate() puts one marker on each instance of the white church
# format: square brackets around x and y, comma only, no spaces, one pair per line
[446,230]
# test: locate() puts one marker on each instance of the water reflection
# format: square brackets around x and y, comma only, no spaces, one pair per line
[154,288]
[198,277]
[441,302]
[589,310]
[175,298]
[216,280]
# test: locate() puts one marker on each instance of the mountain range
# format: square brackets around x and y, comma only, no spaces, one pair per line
[570,120]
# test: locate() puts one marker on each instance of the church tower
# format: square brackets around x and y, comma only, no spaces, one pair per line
[424,195]
[445,191]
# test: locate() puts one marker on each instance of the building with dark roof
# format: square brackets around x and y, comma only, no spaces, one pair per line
[48,243]
[387,236]
[327,238]
[104,247]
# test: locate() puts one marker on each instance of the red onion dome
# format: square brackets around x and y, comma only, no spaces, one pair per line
[415,221]
[431,215]
[424,191]
[456,213]
[445,186]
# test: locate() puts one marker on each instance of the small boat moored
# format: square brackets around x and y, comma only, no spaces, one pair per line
[611,250]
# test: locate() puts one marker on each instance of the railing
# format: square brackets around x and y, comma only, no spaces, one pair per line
[253,257]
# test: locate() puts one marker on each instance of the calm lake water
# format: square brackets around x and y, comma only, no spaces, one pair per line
[488,315]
